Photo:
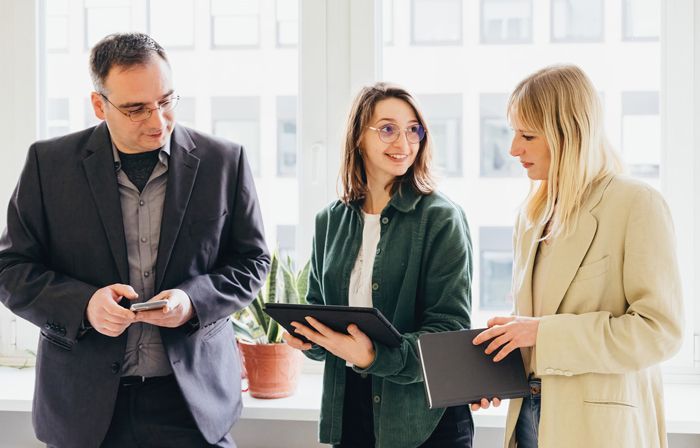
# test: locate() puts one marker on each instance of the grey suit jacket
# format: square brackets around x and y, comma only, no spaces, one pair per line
[65,239]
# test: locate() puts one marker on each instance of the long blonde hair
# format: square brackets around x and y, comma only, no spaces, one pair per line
[561,103]
[353,177]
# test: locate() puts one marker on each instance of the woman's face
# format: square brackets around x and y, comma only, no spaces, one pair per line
[384,160]
[531,149]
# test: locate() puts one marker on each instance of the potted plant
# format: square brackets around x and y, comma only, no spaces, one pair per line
[272,367]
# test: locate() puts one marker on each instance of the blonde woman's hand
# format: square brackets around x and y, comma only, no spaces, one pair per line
[508,333]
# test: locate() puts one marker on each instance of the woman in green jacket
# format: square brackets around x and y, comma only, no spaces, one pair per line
[394,243]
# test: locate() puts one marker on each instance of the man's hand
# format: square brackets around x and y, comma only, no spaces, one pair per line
[355,347]
[178,311]
[104,312]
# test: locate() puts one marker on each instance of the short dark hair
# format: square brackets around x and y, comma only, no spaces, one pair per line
[121,50]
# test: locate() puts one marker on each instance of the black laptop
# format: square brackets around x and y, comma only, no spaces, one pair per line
[458,372]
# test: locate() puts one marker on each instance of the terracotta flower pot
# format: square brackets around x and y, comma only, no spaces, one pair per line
[273,369]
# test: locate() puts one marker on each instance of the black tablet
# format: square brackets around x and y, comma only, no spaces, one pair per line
[456,372]
[369,320]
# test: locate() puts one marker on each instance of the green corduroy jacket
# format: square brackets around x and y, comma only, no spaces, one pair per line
[421,282]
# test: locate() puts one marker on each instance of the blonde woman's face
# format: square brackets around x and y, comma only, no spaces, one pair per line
[532,151]
[393,119]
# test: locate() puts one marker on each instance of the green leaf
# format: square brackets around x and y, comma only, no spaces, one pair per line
[302,282]
[290,289]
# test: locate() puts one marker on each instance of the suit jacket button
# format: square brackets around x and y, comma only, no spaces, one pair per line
[115,367]
[47,326]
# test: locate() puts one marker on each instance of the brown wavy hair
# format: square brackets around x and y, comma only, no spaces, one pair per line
[353,177]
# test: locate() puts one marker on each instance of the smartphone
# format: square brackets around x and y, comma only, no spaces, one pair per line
[146,306]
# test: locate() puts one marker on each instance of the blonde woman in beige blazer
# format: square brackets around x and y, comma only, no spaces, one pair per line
[595,280]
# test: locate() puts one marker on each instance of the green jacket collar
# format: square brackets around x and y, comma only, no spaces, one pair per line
[404,200]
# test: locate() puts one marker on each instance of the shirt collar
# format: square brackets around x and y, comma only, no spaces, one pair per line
[163,155]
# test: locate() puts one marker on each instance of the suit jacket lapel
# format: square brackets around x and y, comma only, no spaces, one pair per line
[526,257]
[182,172]
[99,170]
[569,252]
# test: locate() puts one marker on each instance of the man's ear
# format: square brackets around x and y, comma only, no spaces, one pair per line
[98,105]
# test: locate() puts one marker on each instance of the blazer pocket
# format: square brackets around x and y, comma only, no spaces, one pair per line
[207,225]
[217,328]
[610,404]
[592,270]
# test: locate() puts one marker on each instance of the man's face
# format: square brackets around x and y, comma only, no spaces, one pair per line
[134,89]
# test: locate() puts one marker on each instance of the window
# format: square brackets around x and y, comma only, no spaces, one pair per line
[444,115]
[286,241]
[185,112]
[640,19]
[57,24]
[103,17]
[58,122]
[171,23]
[89,114]
[235,24]
[425,13]
[496,136]
[238,119]
[287,23]
[641,137]
[506,21]
[577,20]
[388,23]
[496,268]
[286,136]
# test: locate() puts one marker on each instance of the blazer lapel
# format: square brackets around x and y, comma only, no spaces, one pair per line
[526,257]
[569,252]
[182,172]
[99,170]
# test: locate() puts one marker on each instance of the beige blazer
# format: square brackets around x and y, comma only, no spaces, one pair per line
[611,313]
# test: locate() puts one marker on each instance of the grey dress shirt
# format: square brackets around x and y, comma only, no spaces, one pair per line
[142,213]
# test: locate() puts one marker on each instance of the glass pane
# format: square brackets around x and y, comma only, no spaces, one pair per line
[171,22]
[463,89]
[496,267]
[506,21]
[641,19]
[444,113]
[496,136]
[577,20]
[287,22]
[424,15]
[235,31]
[57,33]
[641,136]
[102,21]
[286,136]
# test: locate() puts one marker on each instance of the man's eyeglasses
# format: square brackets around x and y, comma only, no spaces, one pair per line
[144,113]
[389,133]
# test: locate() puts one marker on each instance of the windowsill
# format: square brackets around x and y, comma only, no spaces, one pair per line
[682,412]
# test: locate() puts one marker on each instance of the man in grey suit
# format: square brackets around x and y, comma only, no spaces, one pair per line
[135,209]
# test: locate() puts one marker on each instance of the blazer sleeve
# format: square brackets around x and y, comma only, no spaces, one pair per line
[446,301]
[242,268]
[47,298]
[650,331]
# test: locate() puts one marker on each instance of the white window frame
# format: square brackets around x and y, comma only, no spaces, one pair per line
[342,47]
